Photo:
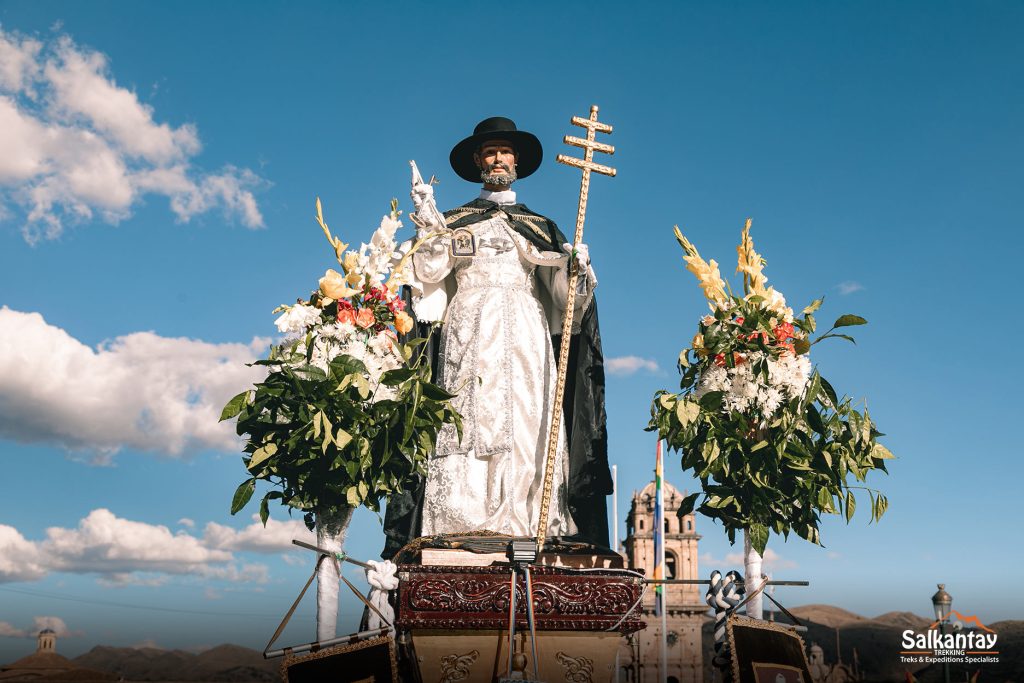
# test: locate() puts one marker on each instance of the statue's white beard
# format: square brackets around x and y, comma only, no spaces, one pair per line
[503,179]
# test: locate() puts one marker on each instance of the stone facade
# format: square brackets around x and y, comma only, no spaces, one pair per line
[639,657]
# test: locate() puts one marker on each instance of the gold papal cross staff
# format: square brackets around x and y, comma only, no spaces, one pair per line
[589,146]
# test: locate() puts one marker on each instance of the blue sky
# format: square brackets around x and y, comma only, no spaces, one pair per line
[158,166]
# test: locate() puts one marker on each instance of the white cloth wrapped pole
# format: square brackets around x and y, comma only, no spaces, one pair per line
[382,580]
[723,595]
[331,527]
[751,576]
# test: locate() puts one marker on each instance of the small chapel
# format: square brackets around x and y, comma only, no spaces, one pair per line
[639,657]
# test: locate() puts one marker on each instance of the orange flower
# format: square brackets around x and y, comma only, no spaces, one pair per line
[365,318]
[346,315]
[403,322]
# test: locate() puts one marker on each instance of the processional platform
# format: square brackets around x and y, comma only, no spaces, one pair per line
[454,611]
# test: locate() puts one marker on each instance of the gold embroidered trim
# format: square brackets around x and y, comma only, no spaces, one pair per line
[534,222]
[458,214]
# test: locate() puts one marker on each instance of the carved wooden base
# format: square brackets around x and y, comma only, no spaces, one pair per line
[478,597]
[481,656]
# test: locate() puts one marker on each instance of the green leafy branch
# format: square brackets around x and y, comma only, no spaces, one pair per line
[322,443]
[776,476]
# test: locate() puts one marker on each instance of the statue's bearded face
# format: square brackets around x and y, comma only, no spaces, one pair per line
[497,162]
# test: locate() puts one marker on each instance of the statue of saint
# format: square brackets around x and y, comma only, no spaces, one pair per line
[496,276]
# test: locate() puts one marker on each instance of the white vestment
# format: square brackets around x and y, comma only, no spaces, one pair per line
[496,355]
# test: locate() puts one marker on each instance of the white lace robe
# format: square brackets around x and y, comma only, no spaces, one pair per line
[496,354]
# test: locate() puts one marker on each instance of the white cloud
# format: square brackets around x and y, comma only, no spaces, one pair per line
[627,365]
[142,579]
[20,559]
[247,573]
[77,145]
[849,287]
[9,630]
[277,536]
[107,544]
[185,521]
[708,560]
[56,624]
[123,552]
[295,560]
[80,88]
[18,61]
[139,391]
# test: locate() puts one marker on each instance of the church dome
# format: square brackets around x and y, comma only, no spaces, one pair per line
[670,492]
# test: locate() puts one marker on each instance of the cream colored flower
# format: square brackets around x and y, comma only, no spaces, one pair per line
[332,284]
[351,261]
[751,264]
[707,273]
[776,302]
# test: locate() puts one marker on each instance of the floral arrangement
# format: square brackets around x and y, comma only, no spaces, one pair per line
[347,414]
[769,438]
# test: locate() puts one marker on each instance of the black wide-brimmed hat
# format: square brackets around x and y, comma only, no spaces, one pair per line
[528,150]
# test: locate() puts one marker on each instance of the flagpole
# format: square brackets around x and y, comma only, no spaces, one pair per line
[659,536]
[615,508]
[615,541]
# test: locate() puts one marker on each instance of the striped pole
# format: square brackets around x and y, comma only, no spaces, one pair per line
[723,595]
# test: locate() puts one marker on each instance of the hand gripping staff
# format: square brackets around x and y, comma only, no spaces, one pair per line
[587,164]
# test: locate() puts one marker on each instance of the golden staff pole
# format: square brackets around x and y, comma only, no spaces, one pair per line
[587,164]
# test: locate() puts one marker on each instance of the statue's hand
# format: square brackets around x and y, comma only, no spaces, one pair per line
[421,192]
[582,254]
[588,279]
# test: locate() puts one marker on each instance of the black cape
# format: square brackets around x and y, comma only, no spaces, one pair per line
[583,404]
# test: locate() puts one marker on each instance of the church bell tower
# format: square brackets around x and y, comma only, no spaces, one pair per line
[685,604]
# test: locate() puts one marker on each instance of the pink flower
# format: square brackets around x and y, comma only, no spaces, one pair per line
[783,331]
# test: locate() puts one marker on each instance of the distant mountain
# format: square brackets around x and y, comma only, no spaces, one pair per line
[902,620]
[826,615]
[221,663]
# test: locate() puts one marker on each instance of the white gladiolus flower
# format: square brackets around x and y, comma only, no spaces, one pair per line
[297,318]
[386,232]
